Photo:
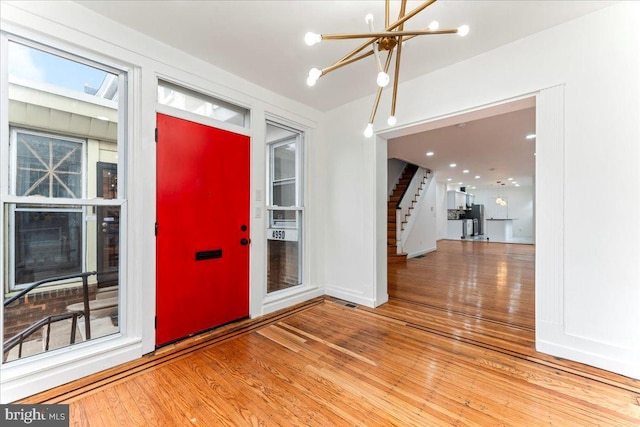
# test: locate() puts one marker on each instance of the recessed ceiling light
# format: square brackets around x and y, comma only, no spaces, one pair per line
[510,179]
[473,188]
[517,185]
[459,183]
[531,136]
[477,176]
[465,171]
[448,179]
[452,165]
[430,153]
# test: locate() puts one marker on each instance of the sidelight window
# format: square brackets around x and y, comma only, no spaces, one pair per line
[285,208]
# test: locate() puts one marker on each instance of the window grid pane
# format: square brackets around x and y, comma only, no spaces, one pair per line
[48,166]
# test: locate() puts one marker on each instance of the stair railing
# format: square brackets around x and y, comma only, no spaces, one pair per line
[19,338]
[408,200]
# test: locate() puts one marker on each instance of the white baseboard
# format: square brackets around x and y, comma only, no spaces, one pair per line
[349,296]
[423,252]
[285,300]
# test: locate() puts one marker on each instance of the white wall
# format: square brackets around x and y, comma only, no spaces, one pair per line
[441,210]
[68,26]
[519,206]
[394,171]
[588,288]
[422,236]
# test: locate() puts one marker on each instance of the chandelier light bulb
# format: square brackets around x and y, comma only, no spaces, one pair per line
[312,38]
[434,26]
[369,18]
[314,75]
[463,30]
[391,121]
[368,132]
[383,79]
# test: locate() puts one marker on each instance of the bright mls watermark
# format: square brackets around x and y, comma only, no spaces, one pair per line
[34,415]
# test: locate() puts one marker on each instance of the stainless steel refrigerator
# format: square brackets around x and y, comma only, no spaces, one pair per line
[477,212]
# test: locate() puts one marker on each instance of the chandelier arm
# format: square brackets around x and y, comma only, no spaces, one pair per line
[396,74]
[400,21]
[374,46]
[377,101]
[386,13]
[410,15]
[383,34]
[345,62]
[395,77]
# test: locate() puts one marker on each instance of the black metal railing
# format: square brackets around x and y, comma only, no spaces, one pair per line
[20,338]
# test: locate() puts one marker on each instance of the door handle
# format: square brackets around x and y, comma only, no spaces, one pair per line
[244,242]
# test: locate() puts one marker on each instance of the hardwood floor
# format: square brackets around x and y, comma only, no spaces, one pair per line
[454,346]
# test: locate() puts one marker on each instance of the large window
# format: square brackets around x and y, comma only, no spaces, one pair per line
[285,207]
[61,200]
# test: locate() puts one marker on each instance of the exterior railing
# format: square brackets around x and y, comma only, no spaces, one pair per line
[20,338]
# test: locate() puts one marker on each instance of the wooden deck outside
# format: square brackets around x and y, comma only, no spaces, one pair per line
[454,346]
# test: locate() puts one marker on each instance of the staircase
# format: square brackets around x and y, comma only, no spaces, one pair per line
[398,191]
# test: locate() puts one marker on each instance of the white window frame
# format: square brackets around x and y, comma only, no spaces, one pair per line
[8,198]
[298,139]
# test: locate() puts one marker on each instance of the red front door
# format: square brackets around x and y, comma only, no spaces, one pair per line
[202,251]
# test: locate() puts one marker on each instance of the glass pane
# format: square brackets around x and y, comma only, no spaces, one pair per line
[194,102]
[48,166]
[284,162]
[284,251]
[107,186]
[35,68]
[284,193]
[282,219]
[283,265]
[50,242]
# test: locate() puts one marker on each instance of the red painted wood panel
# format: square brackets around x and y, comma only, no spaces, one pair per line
[203,177]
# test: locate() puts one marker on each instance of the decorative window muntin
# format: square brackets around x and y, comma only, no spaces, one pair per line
[48,165]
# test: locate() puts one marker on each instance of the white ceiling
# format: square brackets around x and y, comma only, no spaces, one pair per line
[262,42]
[489,143]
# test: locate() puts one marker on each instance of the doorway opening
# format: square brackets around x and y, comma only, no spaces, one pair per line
[484,156]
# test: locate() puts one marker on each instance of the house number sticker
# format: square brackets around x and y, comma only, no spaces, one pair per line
[282,234]
[278,234]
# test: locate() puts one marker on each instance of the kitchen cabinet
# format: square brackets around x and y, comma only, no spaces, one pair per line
[456,200]
[499,230]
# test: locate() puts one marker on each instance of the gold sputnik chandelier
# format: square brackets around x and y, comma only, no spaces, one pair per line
[389,40]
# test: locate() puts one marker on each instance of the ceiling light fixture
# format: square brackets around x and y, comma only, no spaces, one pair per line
[531,136]
[429,153]
[392,38]
[452,165]
[465,171]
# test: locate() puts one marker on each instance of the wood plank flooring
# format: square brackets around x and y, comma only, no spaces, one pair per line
[444,351]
